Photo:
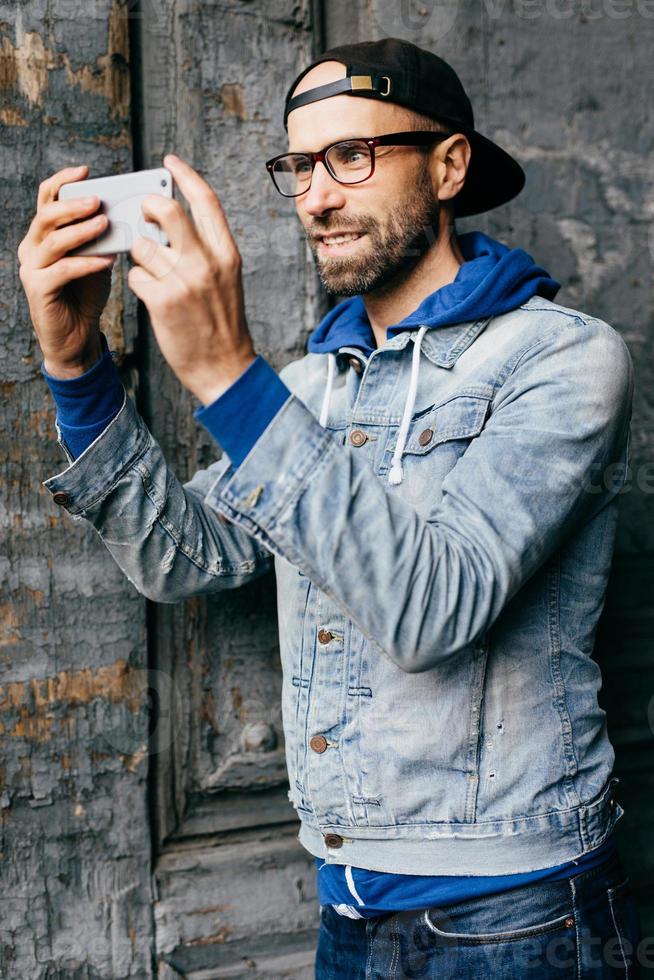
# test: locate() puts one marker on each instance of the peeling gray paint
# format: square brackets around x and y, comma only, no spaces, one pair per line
[75,887]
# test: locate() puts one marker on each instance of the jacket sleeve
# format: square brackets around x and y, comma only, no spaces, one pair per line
[159,531]
[552,454]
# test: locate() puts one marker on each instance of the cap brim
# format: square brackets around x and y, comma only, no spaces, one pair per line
[493,177]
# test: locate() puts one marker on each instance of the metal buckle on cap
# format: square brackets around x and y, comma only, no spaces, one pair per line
[364,83]
[360,81]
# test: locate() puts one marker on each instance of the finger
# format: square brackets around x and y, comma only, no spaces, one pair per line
[49,188]
[142,284]
[179,228]
[60,241]
[208,215]
[159,261]
[55,214]
[54,277]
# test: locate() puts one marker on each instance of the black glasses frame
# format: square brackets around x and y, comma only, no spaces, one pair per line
[414,138]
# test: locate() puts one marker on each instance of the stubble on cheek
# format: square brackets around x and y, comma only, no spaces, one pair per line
[390,247]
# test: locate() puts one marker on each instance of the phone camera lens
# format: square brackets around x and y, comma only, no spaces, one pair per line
[164,183]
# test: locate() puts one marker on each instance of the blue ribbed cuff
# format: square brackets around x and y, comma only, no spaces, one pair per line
[86,404]
[238,417]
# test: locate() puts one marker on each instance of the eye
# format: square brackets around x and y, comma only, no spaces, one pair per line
[353,155]
[348,152]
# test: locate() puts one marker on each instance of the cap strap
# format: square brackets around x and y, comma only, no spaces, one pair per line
[376,85]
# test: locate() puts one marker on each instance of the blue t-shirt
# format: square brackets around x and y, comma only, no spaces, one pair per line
[361,894]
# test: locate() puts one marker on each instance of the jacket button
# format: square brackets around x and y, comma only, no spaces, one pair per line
[318,743]
[324,636]
[569,922]
[357,438]
[333,840]
[356,364]
[60,498]
[425,436]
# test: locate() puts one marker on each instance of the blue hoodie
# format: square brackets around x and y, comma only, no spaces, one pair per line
[493,279]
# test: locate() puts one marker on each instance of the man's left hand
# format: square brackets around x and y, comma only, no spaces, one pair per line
[193,288]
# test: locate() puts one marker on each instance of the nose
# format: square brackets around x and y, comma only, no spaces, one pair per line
[325,193]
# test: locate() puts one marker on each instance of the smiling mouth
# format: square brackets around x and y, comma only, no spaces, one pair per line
[340,241]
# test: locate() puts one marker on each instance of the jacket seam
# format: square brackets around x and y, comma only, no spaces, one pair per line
[342,709]
[580,809]
[475,728]
[300,740]
[554,624]
[308,780]
[521,353]
[347,707]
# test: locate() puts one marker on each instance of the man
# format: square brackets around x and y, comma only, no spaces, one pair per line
[436,482]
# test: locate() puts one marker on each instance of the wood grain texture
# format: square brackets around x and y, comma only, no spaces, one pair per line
[209,86]
[75,896]
[236,906]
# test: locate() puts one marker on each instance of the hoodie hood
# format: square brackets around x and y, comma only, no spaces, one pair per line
[493,279]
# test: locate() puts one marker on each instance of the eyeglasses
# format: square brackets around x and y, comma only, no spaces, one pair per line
[348,161]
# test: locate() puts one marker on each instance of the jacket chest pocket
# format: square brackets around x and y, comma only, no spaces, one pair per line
[437,437]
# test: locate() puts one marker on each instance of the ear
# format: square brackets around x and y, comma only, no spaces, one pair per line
[452,158]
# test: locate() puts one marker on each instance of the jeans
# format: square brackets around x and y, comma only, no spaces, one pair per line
[586,928]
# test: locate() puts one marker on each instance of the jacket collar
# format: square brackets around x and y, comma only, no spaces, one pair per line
[442,345]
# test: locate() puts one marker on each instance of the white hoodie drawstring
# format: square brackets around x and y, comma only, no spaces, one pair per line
[395,476]
[331,370]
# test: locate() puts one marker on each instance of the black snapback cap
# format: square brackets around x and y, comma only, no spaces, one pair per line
[393,70]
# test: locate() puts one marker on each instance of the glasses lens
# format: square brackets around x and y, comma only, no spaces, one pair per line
[350,160]
[292,173]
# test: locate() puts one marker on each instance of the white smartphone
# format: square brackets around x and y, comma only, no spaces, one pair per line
[120,199]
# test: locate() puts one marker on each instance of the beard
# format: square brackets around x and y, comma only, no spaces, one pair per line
[393,248]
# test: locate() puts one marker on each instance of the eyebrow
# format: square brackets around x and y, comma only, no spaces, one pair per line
[341,139]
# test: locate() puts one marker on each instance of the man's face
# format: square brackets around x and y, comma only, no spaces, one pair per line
[395,212]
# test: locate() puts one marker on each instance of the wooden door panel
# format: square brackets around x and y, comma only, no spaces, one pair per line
[211,83]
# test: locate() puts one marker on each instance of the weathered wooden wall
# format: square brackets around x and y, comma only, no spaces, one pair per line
[132,838]
[141,841]
[75,893]
[234,887]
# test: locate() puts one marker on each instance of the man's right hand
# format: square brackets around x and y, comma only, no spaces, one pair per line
[66,294]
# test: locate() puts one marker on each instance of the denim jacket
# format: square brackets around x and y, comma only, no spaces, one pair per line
[440,516]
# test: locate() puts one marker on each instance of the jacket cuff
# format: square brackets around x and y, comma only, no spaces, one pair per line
[239,416]
[275,474]
[90,477]
[86,404]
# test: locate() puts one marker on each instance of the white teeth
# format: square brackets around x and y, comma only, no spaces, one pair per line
[340,239]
